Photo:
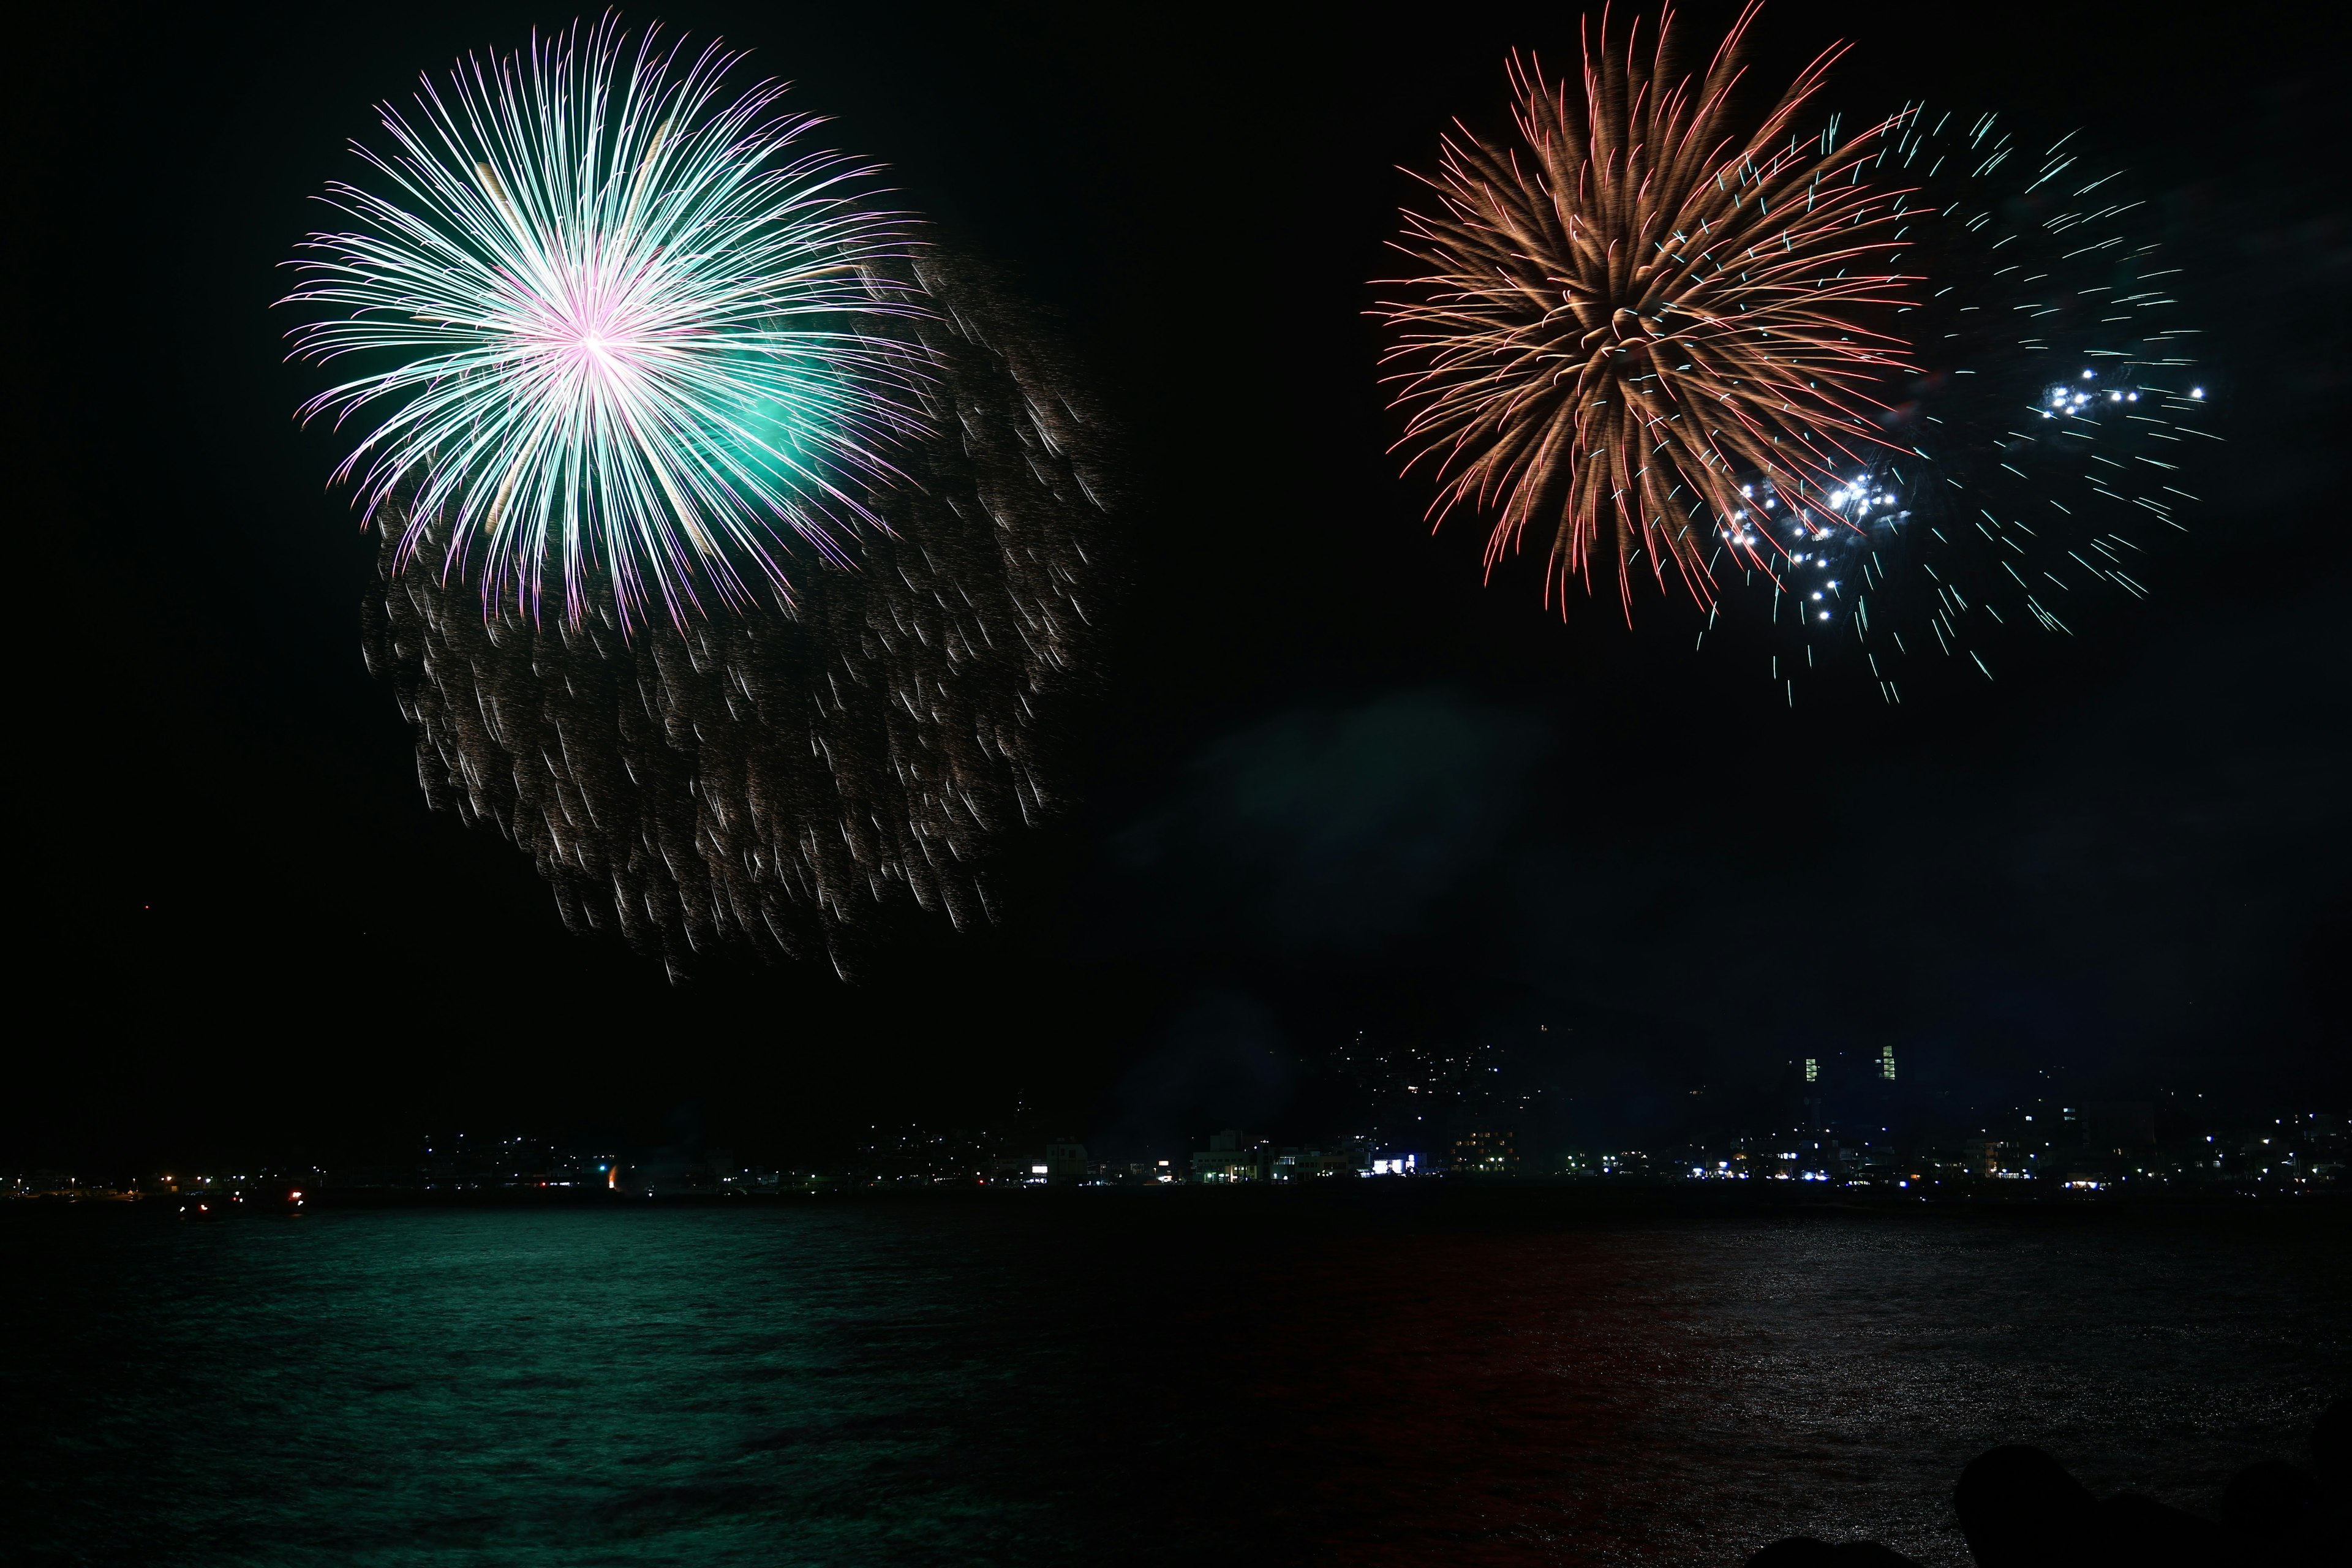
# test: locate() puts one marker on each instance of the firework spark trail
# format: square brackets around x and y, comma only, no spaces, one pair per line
[640,331]
[2055,425]
[1635,307]
[748,778]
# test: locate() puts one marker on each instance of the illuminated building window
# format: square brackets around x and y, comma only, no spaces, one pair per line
[1490,1152]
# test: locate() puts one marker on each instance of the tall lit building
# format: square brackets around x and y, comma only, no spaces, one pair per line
[1887,1063]
[1487,1153]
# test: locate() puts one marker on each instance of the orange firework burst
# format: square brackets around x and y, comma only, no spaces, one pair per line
[1635,314]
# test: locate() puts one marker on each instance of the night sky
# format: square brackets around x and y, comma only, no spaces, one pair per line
[1324,781]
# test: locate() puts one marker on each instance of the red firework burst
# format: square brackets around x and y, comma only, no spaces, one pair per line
[1635,313]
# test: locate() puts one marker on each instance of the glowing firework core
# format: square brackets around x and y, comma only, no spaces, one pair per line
[634,330]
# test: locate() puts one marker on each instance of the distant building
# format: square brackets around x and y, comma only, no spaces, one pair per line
[1487,1153]
[1887,1063]
[1307,1165]
[1232,1156]
[1064,1161]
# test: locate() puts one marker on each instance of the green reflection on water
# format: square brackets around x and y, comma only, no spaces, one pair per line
[515,1388]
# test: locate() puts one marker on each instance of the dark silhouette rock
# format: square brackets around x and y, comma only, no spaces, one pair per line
[2272,1500]
[2331,1445]
[2137,1531]
[2020,1508]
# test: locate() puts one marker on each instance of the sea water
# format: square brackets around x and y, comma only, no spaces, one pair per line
[1122,1378]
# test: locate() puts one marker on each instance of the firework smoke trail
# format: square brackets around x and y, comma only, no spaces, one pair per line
[816,498]
[639,332]
[1635,306]
[751,778]
[2053,427]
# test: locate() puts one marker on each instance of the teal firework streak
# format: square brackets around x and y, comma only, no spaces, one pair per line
[2046,446]
[616,323]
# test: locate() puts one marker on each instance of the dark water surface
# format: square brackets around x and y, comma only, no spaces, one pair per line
[1148,1378]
